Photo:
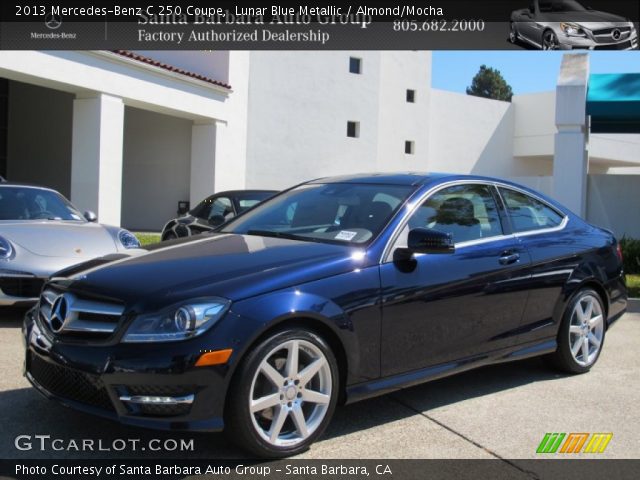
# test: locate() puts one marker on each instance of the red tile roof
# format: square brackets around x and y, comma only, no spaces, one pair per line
[171,68]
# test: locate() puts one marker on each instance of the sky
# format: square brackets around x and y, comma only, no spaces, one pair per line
[525,71]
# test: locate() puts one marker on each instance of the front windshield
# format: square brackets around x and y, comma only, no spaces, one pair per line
[332,212]
[26,203]
[561,6]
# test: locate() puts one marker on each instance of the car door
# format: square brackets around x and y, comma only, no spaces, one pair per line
[527,25]
[541,230]
[444,307]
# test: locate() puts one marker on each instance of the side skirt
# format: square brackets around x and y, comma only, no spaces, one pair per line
[386,385]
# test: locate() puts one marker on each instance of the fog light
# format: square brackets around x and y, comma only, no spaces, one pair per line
[156,400]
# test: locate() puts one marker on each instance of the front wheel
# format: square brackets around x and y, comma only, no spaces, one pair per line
[283,395]
[550,41]
[581,333]
[513,33]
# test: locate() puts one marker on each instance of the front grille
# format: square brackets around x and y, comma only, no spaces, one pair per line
[161,390]
[66,313]
[614,46]
[607,32]
[165,410]
[21,287]
[69,383]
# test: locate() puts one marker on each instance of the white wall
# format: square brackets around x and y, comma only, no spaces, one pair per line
[300,103]
[470,135]
[156,171]
[534,124]
[39,136]
[612,202]
[398,120]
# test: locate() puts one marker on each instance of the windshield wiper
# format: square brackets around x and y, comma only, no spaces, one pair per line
[271,233]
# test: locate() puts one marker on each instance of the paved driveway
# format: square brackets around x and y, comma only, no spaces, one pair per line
[501,411]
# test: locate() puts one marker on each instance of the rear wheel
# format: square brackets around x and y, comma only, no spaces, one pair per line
[283,395]
[581,334]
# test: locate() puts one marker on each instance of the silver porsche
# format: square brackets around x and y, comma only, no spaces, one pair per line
[41,232]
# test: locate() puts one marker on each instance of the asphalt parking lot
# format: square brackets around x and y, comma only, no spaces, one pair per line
[495,412]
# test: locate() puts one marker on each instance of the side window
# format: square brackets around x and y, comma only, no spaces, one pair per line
[467,212]
[528,213]
[221,206]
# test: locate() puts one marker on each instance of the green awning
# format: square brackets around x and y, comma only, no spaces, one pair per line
[613,102]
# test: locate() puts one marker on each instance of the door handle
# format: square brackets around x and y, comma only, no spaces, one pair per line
[509,258]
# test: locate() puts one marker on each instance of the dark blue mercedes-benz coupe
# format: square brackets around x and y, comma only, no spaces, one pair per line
[332,291]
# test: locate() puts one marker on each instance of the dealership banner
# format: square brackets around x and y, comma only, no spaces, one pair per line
[193,25]
[293,469]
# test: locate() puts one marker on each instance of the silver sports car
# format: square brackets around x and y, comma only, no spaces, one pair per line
[569,25]
[41,232]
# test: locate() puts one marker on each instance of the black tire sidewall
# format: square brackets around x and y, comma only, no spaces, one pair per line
[238,422]
[564,357]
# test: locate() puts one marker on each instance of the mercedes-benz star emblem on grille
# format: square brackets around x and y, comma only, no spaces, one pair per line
[616,34]
[59,312]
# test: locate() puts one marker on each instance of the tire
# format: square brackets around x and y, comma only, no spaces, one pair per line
[296,410]
[550,40]
[170,236]
[575,328]
[513,33]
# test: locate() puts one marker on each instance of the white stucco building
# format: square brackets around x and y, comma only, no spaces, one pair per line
[129,135]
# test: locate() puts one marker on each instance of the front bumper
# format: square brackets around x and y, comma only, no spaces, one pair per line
[583,43]
[19,290]
[110,380]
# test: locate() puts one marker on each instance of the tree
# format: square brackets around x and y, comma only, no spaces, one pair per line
[489,83]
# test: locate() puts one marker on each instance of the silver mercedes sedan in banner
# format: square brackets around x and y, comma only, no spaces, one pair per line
[41,232]
[569,25]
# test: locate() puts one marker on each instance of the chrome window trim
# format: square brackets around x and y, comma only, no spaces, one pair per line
[388,249]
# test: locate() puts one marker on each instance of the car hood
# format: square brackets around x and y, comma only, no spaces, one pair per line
[592,19]
[52,238]
[226,265]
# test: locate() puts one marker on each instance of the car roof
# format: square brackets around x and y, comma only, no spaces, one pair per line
[25,185]
[400,178]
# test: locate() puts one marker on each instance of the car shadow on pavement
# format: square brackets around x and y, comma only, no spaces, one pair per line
[32,414]
[422,398]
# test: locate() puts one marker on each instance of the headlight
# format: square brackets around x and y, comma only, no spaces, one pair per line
[5,249]
[128,239]
[178,322]
[572,29]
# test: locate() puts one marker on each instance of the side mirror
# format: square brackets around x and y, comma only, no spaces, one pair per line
[90,216]
[217,220]
[424,240]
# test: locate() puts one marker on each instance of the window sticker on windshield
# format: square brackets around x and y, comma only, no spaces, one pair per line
[345,235]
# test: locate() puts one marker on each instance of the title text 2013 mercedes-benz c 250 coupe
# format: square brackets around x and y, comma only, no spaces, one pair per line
[332,291]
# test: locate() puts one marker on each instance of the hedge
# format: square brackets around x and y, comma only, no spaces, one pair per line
[631,254]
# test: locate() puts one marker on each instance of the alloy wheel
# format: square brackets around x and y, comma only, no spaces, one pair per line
[290,393]
[550,41]
[586,330]
[513,34]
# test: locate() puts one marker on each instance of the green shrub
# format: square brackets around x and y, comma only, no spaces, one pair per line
[630,254]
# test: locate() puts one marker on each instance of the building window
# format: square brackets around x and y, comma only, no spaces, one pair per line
[355,65]
[411,96]
[353,129]
[409,147]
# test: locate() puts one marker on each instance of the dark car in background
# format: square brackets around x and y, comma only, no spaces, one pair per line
[569,25]
[213,211]
[333,291]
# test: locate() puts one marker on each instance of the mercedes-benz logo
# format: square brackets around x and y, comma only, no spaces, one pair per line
[53,21]
[616,34]
[59,312]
